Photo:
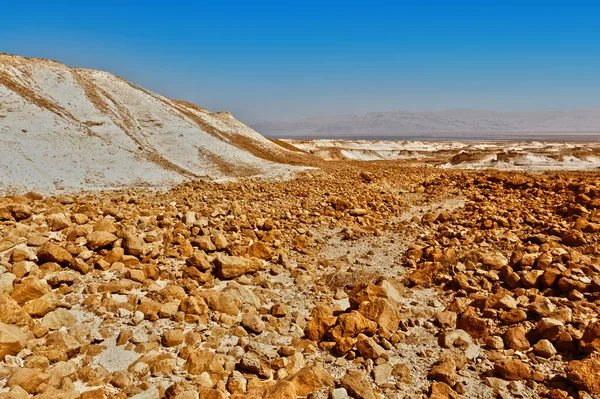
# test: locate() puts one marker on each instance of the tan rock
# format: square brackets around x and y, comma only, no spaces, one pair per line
[444,372]
[513,370]
[369,349]
[220,241]
[590,341]
[204,361]
[383,311]
[12,340]
[322,320]
[12,313]
[53,253]
[544,348]
[515,338]
[253,323]
[28,379]
[199,260]
[133,244]
[173,338]
[100,239]
[357,385]
[253,363]
[310,379]
[59,318]
[6,283]
[30,288]
[228,267]
[259,250]
[205,244]
[472,324]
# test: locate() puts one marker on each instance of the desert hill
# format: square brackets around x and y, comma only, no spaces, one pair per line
[81,129]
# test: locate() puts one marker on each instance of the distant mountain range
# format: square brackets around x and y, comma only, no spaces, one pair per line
[439,123]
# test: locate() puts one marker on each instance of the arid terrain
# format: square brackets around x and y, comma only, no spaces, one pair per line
[164,251]
[465,154]
[359,280]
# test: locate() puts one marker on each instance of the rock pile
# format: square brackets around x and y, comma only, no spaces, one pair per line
[342,283]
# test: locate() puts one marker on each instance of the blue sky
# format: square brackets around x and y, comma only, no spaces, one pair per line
[270,60]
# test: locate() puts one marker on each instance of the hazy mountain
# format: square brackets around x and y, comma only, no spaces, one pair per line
[431,123]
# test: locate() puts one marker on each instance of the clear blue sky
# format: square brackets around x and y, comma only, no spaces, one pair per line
[282,59]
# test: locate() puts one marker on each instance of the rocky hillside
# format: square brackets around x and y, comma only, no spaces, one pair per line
[67,128]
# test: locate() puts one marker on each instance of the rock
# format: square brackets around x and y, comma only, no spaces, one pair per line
[322,320]
[444,372]
[475,326]
[446,319]
[58,221]
[220,241]
[339,393]
[513,370]
[281,390]
[310,379]
[440,390]
[133,244]
[28,379]
[205,244]
[121,379]
[494,342]
[252,363]
[228,267]
[30,288]
[253,323]
[590,341]
[402,373]
[59,318]
[173,338]
[544,348]
[356,384]
[6,283]
[513,316]
[54,253]
[382,373]
[12,313]
[573,238]
[382,311]
[259,250]
[204,361]
[369,349]
[199,260]
[515,338]
[12,340]
[450,339]
[584,374]
[100,239]
[353,323]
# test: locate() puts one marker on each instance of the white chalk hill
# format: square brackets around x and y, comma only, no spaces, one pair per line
[73,129]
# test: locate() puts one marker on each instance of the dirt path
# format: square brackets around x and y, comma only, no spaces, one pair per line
[372,257]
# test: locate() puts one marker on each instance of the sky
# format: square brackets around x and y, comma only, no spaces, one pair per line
[286,60]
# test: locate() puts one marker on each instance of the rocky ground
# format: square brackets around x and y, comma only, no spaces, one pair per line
[365,281]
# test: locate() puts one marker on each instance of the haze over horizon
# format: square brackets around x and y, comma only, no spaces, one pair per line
[269,61]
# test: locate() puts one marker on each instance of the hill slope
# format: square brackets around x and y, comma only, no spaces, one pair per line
[73,129]
[436,123]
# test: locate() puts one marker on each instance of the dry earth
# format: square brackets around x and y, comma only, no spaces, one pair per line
[363,280]
[562,153]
